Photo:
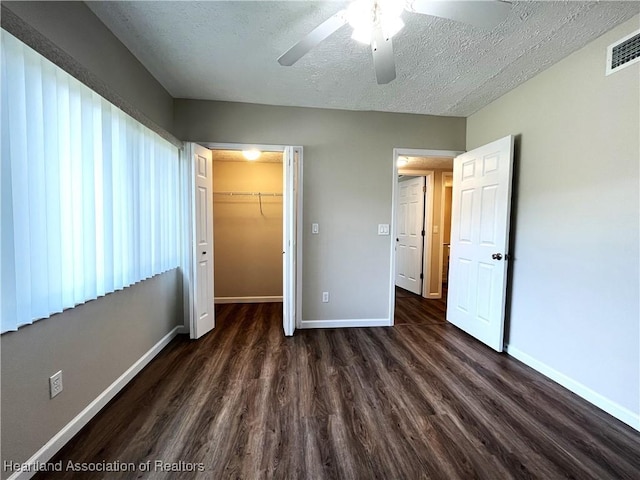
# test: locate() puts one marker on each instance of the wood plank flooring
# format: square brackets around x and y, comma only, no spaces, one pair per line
[412,309]
[416,401]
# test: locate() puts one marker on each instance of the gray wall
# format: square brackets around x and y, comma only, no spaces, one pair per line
[347,188]
[575,272]
[74,28]
[95,343]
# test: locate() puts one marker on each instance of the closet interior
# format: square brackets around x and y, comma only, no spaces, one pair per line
[247,226]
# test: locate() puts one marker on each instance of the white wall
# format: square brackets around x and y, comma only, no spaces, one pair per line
[574,310]
[348,173]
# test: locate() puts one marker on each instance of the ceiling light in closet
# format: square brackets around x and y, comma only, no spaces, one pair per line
[252,154]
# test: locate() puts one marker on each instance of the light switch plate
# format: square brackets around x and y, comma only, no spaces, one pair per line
[383,229]
[315,228]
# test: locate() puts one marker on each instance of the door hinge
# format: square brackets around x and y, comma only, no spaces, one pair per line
[424,189]
[422,276]
[423,233]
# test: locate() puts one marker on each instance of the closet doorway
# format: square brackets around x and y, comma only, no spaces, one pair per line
[264,207]
[247,226]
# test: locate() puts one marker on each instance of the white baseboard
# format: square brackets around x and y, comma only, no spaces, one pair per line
[74,426]
[354,322]
[274,299]
[612,408]
[182,330]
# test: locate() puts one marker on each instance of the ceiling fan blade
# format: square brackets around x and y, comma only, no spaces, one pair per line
[382,50]
[313,38]
[480,13]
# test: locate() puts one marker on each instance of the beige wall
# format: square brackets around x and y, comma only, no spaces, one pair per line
[247,243]
[95,343]
[436,238]
[348,178]
[574,302]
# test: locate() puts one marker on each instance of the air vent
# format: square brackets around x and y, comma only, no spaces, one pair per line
[623,53]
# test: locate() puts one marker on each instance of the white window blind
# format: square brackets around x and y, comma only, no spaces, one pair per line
[89,197]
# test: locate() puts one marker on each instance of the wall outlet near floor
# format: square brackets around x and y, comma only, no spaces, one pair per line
[325,297]
[55,384]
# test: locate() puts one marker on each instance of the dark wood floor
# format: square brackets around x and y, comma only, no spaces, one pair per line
[412,309]
[408,402]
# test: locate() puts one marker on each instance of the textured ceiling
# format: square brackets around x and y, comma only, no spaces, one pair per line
[227,50]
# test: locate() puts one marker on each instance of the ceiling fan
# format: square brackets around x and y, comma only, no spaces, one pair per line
[375,22]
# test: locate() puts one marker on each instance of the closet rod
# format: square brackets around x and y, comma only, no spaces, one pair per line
[256,194]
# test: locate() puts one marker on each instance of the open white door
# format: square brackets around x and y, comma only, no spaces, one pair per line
[479,241]
[202,299]
[409,239]
[291,159]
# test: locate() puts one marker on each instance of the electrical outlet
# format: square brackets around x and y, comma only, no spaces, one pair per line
[325,297]
[55,384]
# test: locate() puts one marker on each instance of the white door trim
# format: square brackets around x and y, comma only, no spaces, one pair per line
[188,199]
[292,158]
[243,146]
[412,152]
[445,175]
[427,246]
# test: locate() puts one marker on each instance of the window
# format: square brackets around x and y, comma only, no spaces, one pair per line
[89,197]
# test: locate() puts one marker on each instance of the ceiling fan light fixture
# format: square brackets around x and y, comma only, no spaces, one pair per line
[363,15]
[360,15]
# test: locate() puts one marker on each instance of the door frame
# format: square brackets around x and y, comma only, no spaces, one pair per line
[427,224]
[442,199]
[297,221]
[427,246]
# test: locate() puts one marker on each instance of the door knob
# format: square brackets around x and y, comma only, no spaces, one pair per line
[497,256]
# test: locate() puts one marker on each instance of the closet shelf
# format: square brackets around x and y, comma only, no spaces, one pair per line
[254,194]
[250,194]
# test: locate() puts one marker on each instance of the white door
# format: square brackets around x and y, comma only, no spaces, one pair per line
[479,241]
[203,308]
[291,161]
[409,238]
